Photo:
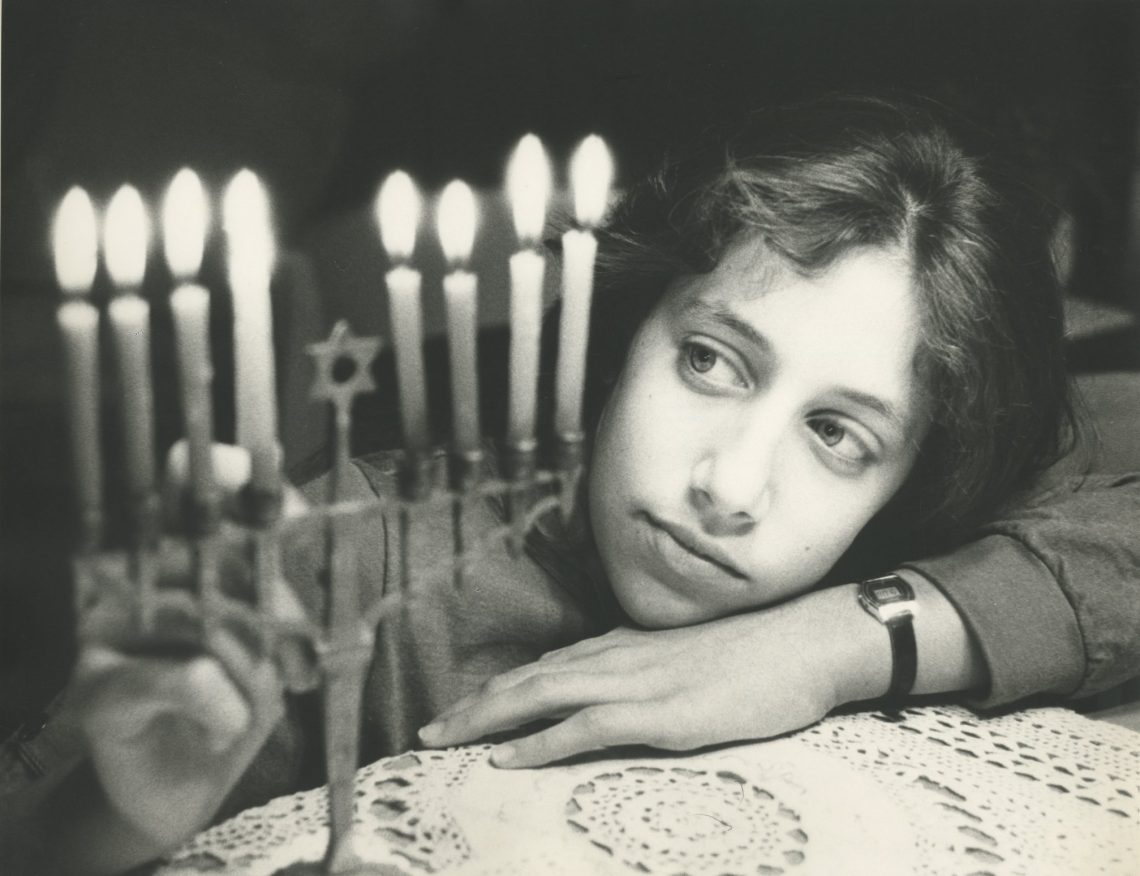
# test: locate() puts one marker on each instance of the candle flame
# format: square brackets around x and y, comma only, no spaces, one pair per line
[75,244]
[456,221]
[126,236]
[184,219]
[528,187]
[248,224]
[591,174]
[398,215]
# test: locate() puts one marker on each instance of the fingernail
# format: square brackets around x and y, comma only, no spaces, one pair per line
[503,755]
[430,733]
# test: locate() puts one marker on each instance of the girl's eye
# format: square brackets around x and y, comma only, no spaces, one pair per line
[708,366]
[702,359]
[840,441]
[830,432]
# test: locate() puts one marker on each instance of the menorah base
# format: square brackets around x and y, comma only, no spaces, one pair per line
[320,868]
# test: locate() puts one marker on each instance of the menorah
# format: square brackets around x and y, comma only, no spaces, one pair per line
[343,635]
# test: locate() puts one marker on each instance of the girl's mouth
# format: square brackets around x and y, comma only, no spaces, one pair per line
[682,547]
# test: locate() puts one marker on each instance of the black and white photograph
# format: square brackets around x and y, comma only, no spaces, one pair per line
[570,437]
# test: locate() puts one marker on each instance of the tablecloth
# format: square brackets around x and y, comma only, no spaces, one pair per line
[929,790]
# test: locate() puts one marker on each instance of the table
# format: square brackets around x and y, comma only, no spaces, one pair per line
[928,790]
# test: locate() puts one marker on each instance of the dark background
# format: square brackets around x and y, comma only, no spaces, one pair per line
[324,98]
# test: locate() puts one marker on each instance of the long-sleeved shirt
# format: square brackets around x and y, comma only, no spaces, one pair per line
[1050,591]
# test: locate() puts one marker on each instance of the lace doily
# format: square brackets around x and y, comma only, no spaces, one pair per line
[924,791]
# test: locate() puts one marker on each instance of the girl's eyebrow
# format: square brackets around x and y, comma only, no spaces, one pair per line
[872,402]
[701,309]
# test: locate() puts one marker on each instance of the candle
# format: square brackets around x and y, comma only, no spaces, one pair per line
[528,189]
[250,256]
[397,214]
[184,220]
[75,251]
[456,221]
[591,172]
[126,234]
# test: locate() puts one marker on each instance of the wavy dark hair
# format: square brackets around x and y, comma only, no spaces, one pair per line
[819,180]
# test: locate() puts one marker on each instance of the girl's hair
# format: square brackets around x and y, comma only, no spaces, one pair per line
[817,181]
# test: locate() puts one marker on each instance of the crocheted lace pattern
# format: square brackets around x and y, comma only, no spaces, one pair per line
[922,791]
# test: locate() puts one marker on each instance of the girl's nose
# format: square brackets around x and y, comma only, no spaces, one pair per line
[730,486]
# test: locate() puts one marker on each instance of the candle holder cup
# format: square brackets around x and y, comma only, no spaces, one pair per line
[123,594]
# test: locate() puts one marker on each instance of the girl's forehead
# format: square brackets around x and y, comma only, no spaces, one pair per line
[856,324]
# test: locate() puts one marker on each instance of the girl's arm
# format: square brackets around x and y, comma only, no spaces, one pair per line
[1051,591]
[745,677]
[1043,601]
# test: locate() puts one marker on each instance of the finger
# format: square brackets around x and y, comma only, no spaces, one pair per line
[231,472]
[591,729]
[585,648]
[500,684]
[231,465]
[538,697]
[125,695]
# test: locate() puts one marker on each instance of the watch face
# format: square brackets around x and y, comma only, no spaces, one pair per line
[887,598]
[885,594]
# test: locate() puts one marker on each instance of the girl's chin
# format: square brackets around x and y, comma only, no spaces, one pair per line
[652,606]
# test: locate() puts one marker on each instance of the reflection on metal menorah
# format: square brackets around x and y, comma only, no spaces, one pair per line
[344,639]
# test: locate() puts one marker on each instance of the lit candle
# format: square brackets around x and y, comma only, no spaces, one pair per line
[75,251]
[591,172]
[184,220]
[250,256]
[398,214]
[126,236]
[456,221]
[528,189]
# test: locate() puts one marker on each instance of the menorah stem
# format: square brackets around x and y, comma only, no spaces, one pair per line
[345,666]
[570,465]
[263,510]
[520,463]
[91,526]
[142,557]
[464,474]
[415,483]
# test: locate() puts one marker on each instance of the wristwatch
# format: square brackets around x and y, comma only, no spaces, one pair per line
[890,600]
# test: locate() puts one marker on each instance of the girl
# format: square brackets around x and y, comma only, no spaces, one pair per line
[823,351]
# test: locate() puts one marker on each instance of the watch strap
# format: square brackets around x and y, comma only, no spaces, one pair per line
[882,598]
[904,656]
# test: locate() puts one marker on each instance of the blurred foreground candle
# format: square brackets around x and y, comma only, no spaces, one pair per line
[528,189]
[75,251]
[184,220]
[398,215]
[456,220]
[126,237]
[250,256]
[591,173]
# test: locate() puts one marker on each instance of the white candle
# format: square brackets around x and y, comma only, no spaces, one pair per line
[184,221]
[251,253]
[75,250]
[190,305]
[79,323]
[130,326]
[456,221]
[528,188]
[397,214]
[126,235]
[407,335]
[591,172]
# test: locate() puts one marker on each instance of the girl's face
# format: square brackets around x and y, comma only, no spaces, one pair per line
[760,421]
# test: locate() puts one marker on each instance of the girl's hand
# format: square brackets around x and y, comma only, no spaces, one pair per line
[172,719]
[168,737]
[744,677]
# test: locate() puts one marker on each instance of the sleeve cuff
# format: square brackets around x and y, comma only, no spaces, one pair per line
[1013,607]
